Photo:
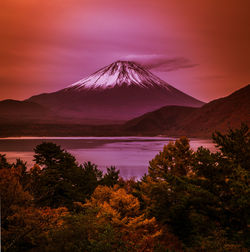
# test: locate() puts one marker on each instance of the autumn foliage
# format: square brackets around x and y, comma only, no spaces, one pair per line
[188,201]
[22,223]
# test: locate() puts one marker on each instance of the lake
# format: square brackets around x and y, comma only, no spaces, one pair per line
[129,154]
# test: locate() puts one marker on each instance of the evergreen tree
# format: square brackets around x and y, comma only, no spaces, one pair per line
[61,181]
[200,193]
[111,177]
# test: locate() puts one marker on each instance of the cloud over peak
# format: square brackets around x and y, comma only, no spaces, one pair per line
[161,63]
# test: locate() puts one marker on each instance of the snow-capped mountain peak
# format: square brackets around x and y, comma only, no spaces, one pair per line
[115,93]
[118,74]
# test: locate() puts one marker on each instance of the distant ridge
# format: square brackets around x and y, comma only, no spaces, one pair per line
[23,111]
[17,119]
[218,114]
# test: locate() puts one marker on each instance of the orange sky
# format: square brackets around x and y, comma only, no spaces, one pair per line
[200,47]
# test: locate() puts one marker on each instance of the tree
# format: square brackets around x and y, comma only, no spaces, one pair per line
[235,145]
[3,162]
[195,193]
[115,207]
[83,232]
[167,190]
[90,178]
[111,177]
[58,182]
[175,159]
[49,154]
[235,150]
[110,221]
[22,225]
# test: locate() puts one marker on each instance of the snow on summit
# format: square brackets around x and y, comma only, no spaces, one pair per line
[117,74]
[114,94]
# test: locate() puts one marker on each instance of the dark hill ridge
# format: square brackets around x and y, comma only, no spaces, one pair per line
[17,119]
[161,120]
[23,111]
[222,113]
[118,92]
[219,114]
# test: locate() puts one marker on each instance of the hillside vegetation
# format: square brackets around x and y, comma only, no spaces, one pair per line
[188,201]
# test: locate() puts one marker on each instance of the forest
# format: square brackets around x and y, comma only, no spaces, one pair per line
[188,201]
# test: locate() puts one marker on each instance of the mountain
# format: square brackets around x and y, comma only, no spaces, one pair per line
[115,93]
[218,115]
[23,111]
[171,120]
[160,120]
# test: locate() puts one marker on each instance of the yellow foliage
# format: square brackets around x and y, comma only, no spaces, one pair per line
[125,203]
[121,210]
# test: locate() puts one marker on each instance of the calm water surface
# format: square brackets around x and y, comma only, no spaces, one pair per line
[129,154]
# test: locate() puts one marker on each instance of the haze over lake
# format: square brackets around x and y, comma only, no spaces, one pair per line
[129,154]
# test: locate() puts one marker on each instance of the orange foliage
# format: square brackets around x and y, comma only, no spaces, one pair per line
[122,211]
[21,221]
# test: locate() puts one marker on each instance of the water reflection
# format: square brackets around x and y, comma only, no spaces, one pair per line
[129,154]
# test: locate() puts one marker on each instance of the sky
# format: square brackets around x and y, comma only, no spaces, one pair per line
[199,47]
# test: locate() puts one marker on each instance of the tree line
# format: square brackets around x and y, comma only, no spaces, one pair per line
[188,201]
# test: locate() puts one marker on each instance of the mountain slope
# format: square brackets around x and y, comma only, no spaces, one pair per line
[160,120]
[173,121]
[118,92]
[219,114]
[22,111]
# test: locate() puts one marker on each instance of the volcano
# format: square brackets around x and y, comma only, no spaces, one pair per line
[115,93]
